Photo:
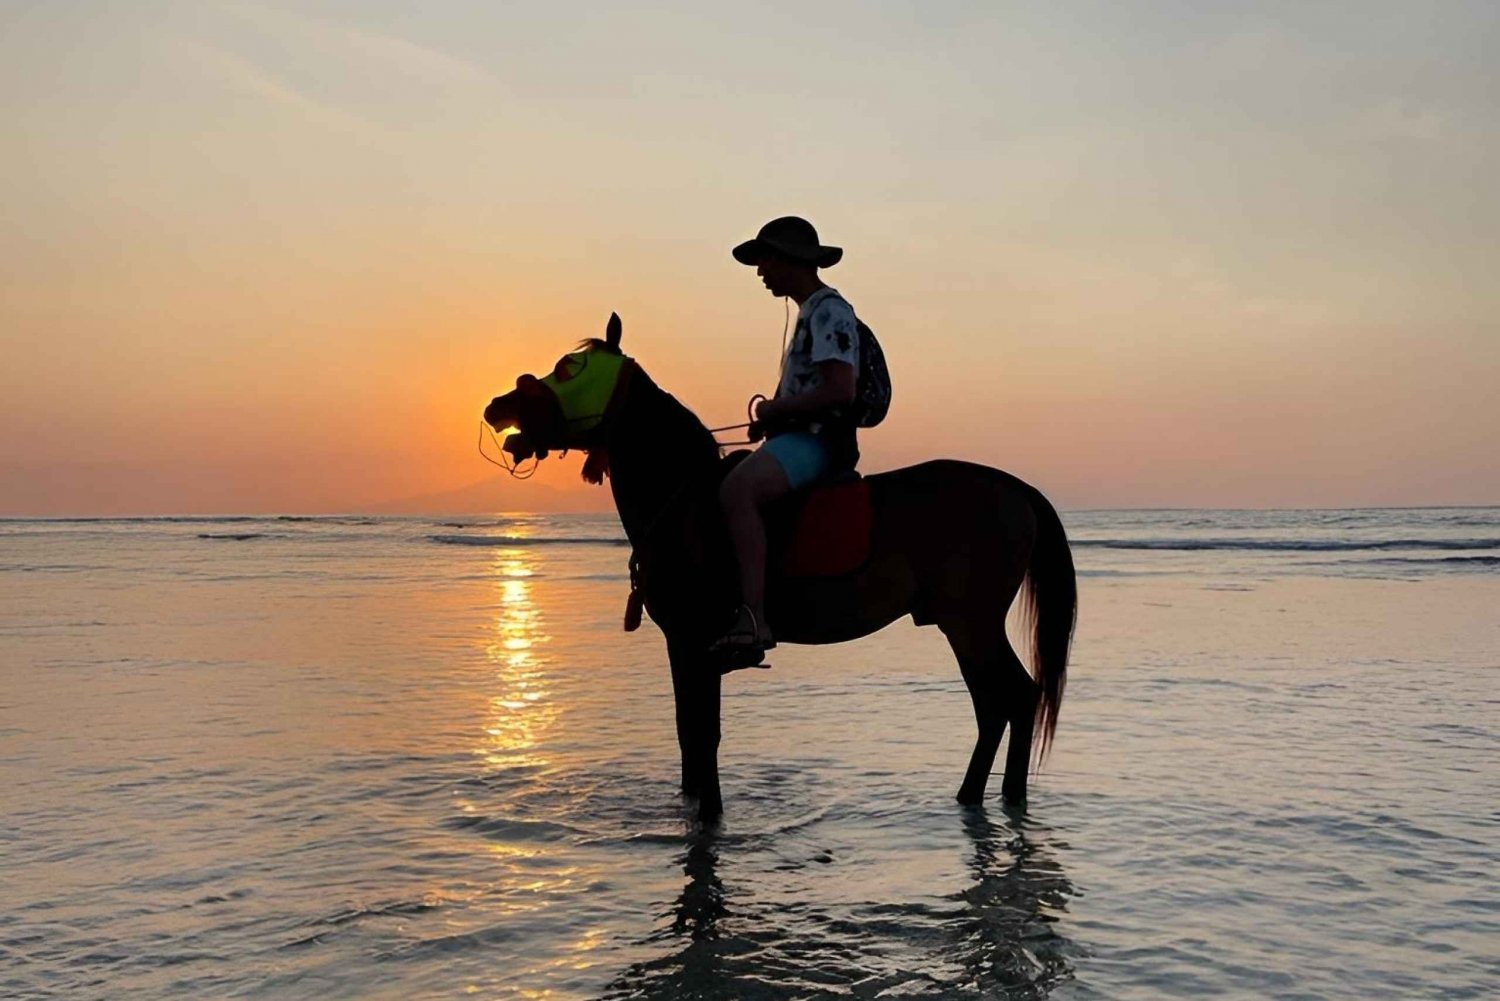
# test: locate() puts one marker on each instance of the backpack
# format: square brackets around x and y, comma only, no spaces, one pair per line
[872,386]
[872,389]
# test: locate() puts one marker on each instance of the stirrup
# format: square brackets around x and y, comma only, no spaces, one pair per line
[730,662]
[740,647]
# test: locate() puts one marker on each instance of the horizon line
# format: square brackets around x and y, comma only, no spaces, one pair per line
[301,515]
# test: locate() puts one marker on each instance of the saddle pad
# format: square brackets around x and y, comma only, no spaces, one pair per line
[832,533]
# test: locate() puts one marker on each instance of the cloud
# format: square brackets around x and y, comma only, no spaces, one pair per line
[418,63]
[246,77]
[1402,120]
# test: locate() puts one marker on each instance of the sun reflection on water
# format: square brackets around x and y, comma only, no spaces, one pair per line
[521,710]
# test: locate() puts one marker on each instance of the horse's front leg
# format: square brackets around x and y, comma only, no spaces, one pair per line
[682,697]
[695,687]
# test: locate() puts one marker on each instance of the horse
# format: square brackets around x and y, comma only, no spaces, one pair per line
[951,544]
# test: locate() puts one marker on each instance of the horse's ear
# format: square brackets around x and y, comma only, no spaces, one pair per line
[612,331]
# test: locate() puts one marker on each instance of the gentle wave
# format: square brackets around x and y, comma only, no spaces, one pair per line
[165,519]
[328,519]
[518,540]
[1286,545]
[1474,561]
[198,519]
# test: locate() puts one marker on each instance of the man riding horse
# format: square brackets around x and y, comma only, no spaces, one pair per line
[808,430]
[947,542]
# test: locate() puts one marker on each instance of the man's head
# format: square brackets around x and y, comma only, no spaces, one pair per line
[786,255]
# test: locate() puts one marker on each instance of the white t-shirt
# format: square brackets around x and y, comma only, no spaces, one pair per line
[826,331]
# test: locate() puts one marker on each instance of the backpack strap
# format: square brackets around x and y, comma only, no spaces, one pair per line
[837,417]
[833,419]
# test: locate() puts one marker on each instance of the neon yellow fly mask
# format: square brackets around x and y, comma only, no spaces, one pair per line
[562,409]
[583,383]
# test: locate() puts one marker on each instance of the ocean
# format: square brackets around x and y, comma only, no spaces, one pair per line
[416,757]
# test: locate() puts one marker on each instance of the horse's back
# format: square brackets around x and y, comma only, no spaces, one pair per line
[954,478]
[944,534]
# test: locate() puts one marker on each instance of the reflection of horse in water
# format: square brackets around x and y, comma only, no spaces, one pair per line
[998,939]
[1010,942]
[950,544]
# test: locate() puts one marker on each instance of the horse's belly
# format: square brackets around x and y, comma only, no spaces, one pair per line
[834,609]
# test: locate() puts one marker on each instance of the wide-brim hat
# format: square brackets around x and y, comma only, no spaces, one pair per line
[790,236]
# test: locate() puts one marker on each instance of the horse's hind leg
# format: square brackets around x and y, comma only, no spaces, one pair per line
[1002,692]
[989,712]
[1022,695]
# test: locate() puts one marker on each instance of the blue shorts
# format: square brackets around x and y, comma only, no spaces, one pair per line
[802,455]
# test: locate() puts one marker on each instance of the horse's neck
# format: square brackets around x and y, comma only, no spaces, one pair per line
[656,446]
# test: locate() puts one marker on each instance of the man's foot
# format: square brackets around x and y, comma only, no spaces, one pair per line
[745,644]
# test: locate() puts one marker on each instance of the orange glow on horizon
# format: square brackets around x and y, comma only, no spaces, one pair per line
[1136,261]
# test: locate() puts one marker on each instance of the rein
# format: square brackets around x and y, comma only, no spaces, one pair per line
[750,413]
[513,468]
[597,466]
[516,470]
[597,463]
[636,601]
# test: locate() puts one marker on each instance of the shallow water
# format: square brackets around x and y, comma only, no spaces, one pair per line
[407,757]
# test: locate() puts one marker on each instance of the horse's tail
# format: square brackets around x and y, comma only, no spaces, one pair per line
[1050,606]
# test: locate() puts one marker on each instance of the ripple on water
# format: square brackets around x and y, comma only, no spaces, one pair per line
[277,768]
[741,931]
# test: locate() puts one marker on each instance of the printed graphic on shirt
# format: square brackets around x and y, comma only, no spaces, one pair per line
[826,331]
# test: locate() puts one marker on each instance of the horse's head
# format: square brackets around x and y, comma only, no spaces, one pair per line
[566,408]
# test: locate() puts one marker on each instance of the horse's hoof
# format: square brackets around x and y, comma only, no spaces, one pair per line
[710,809]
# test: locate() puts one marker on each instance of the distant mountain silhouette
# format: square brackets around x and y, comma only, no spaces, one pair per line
[497,493]
[111,489]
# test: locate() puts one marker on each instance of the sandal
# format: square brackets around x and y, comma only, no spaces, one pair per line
[743,646]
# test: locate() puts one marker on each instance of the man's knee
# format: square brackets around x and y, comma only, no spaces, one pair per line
[753,483]
[737,492]
[731,496]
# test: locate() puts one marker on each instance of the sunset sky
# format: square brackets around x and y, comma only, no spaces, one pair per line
[276,257]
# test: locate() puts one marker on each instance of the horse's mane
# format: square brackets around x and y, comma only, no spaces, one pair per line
[655,446]
[682,436]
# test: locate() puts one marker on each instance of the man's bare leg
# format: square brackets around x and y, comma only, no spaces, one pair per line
[745,492]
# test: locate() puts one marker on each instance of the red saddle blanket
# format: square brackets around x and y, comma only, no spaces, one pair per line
[831,535]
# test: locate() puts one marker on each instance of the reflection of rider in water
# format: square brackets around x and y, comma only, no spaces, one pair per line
[807,436]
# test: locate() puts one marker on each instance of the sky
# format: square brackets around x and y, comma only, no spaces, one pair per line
[274,257]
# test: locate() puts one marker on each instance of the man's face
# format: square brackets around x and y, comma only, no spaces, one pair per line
[778,273]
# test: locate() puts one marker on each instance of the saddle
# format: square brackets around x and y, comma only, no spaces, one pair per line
[823,531]
[827,530]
